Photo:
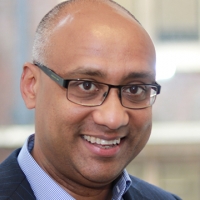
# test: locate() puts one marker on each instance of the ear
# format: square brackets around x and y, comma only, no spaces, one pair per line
[28,84]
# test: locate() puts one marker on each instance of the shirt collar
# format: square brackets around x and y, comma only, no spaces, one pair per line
[121,186]
[44,187]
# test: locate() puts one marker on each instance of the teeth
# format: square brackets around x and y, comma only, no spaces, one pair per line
[92,139]
[101,141]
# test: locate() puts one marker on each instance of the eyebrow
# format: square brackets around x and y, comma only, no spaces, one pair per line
[87,71]
[101,74]
[142,74]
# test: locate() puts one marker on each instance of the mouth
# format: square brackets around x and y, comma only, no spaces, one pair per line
[102,143]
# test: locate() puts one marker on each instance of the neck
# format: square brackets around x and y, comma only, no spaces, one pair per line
[91,194]
[80,192]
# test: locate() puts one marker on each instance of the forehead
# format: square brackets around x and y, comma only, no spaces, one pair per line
[107,43]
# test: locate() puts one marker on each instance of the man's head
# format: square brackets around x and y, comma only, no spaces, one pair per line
[93,40]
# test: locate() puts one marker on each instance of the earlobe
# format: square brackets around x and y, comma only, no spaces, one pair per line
[28,85]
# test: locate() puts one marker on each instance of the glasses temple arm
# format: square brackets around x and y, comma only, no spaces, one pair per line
[158,88]
[50,73]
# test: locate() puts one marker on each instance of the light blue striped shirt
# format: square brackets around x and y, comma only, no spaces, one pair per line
[44,187]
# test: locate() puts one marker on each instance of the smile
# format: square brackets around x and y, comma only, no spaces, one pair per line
[102,142]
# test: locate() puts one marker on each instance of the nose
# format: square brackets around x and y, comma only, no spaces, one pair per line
[111,113]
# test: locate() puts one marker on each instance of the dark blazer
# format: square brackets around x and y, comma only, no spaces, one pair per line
[14,185]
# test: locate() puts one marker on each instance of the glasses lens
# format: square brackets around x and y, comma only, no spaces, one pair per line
[87,93]
[138,96]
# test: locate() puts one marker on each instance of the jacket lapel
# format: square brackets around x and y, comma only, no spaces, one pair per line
[13,183]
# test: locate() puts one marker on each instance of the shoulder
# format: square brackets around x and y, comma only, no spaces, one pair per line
[12,178]
[9,172]
[9,165]
[147,191]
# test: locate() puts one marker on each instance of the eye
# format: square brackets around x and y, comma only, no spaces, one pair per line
[87,85]
[134,89]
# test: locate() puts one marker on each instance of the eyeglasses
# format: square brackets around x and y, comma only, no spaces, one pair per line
[91,93]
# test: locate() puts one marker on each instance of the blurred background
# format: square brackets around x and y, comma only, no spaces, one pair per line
[171,159]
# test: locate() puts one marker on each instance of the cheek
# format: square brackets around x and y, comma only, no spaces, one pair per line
[64,120]
[50,110]
[143,120]
[141,130]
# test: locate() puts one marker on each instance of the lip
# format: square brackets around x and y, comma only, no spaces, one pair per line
[99,151]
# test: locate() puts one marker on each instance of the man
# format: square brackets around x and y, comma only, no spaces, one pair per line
[92,84]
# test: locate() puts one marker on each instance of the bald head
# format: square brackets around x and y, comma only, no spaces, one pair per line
[66,12]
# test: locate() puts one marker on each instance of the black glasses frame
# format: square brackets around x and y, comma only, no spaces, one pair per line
[65,82]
